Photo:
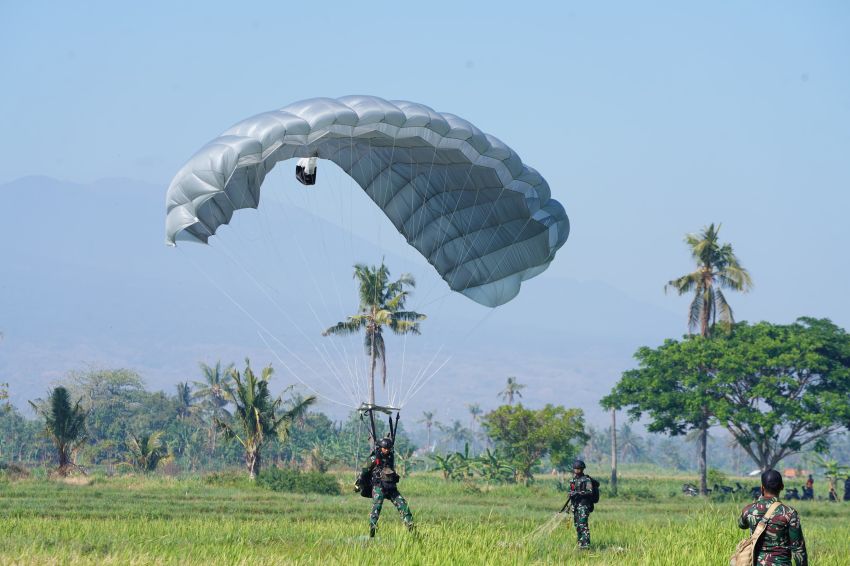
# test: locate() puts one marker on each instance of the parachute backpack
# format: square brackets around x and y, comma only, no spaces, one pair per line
[594,491]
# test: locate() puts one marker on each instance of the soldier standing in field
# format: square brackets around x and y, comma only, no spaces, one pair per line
[584,492]
[380,473]
[783,539]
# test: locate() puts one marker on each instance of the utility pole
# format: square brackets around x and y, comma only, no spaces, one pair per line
[613,452]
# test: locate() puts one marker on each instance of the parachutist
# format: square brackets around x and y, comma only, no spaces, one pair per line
[381,475]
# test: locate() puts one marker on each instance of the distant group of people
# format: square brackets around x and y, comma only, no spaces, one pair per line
[809,490]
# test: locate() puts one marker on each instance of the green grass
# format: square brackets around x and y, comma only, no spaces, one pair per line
[159,520]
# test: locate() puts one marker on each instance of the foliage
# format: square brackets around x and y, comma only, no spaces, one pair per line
[783,387]
[717,477]
[525,435]
[776,388]
[255,414]
[279,479]
[382,305]
[147,451]
[65,424]
[4,398]
[833,470]
[512,389]
[717,268]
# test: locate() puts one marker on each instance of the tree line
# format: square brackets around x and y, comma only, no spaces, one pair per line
[778,389]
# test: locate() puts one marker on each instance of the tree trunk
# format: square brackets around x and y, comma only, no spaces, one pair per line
[372,368]
[613,452]
[429,437]
[701,458]
[252,461]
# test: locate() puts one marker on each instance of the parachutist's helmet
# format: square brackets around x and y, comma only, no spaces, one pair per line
[578,465]
[386,443]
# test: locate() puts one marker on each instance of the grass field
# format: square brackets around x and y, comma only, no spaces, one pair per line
[159,520]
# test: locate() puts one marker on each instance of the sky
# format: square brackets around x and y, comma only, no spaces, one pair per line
[649,120]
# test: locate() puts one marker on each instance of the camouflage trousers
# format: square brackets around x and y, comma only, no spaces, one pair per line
[378,497]
[580,520]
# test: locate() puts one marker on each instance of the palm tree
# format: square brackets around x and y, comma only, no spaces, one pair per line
[429,421]
[455,434]
[717,268]
[475,411]
[146,451]
[511,390]
[184,400]
[631,445]
[381,305]
[65,424]
[214,391]
[832,469]
[255,414]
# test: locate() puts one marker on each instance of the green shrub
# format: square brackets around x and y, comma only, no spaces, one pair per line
[277,479]
[715,476]
[226,479]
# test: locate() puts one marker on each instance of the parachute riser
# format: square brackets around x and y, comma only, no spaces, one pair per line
[369,409]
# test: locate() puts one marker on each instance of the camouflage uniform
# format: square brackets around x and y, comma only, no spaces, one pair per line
[580,492]
[783,536]
[382,490]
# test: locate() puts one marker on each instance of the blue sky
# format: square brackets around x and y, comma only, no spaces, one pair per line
[649,119]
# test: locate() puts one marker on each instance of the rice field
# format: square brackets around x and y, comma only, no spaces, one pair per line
[160,520]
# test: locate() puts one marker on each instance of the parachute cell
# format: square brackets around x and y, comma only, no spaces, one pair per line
[462,198]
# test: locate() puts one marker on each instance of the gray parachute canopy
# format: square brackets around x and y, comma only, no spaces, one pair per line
[461,197]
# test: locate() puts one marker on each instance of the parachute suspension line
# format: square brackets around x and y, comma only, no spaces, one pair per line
[254,320]
[331,368]
[291,321]
[442,217]
[304,383]
[418,215]
[505,253]
[412,392]
[471,246]
[354,387]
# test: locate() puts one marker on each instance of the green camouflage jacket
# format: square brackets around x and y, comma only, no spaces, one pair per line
[581,489]
[783,537]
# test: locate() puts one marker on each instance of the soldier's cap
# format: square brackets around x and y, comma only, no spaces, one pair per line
[771,480]
[578,464]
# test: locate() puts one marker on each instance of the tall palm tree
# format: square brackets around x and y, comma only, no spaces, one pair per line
[475,411]
[511,390]
[718,268]
[214,392]
[184,400]
[65,424]
[256,414]
[456,433]
[381,305]
[631,445]
[429,422]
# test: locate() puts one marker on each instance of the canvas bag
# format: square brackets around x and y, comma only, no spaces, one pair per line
[745,552]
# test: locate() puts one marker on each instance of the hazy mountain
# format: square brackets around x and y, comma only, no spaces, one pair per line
[87,280]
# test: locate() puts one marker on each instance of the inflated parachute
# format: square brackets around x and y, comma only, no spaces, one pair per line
[461,197]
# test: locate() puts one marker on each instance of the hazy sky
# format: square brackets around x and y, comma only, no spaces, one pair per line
[648,119]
